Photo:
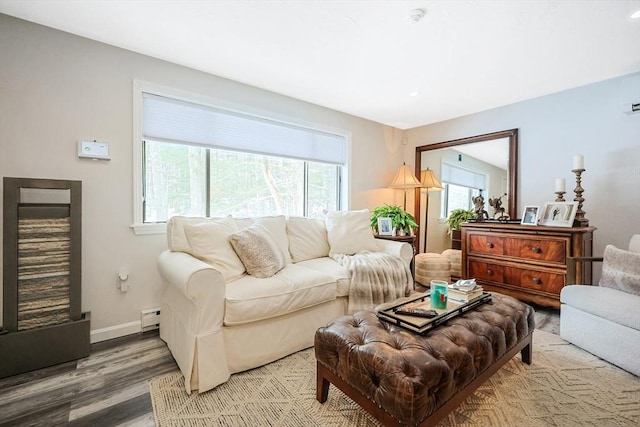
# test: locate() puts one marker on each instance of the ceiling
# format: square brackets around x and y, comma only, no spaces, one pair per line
[366,57]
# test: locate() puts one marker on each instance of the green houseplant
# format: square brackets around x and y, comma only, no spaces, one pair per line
[457,217]
[401,220]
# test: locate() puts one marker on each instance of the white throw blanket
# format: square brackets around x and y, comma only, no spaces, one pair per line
[376,277]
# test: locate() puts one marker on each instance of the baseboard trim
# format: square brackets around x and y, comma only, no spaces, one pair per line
[116,331]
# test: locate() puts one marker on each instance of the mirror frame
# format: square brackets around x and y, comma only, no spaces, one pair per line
[512,134]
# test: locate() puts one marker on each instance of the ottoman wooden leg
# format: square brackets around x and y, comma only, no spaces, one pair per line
[527,352]
[322,383]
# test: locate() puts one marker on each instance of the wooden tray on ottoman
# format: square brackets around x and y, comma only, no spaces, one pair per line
[422,325]
[404,378]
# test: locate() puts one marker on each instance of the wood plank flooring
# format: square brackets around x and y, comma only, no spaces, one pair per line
[111,386]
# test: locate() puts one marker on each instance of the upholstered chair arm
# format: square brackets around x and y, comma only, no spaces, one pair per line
[572,265]
[200,283]
[402,250]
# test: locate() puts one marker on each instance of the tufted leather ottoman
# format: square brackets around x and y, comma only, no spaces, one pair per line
[403,378]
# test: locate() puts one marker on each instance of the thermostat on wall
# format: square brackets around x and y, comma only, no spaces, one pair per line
[94,150]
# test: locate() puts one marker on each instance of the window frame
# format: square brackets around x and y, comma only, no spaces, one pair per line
[139,87]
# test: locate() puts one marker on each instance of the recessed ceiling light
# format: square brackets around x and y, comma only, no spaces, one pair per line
[414,94]
[635,15]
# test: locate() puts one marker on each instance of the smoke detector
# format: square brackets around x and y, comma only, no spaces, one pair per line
[415,15]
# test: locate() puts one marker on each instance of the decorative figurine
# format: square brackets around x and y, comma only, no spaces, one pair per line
[496,204]
[481,213]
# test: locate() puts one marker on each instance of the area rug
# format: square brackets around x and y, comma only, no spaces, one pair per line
[565,386]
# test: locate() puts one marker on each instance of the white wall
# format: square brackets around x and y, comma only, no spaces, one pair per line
[587,120]
[57,89]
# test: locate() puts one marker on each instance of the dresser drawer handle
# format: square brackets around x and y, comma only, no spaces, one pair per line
[489,244]
[535,249]
[536,280]
[490,272]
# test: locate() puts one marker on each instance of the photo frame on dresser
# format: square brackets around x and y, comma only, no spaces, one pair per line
[530,215]
[559,214]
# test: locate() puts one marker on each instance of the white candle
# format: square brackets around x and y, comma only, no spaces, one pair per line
[560,185]
[578,161]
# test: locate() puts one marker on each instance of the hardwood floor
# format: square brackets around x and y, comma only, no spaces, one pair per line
[111,386]
[108,388]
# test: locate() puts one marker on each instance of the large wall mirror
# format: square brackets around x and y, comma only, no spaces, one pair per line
[464,167]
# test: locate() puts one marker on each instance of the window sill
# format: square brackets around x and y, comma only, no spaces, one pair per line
[142,229]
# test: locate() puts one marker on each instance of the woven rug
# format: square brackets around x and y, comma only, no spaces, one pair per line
[565,386]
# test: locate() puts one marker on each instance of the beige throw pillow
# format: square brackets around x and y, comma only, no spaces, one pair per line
[621,270]
[307,238]
[277,226]
[209,241]
[349,232]
[258,250]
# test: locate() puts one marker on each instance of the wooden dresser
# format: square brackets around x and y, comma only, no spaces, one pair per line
[526,262]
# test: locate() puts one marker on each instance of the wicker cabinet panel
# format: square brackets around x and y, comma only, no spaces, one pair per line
[527,262]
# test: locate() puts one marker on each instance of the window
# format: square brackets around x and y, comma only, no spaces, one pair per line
[200,160]
[177,181]
[460,185]
[457,197]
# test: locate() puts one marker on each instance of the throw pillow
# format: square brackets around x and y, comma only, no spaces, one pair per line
[209,241]
[621,270]
[307,238]
[277,226]
[349,232]
[258,251]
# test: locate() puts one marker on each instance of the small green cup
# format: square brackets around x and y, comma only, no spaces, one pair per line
[439,290]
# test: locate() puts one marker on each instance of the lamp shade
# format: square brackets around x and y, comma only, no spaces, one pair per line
[429,181]
[405,179]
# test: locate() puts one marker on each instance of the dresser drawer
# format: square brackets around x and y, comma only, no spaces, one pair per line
[534,279]
[549,250]
[486,271]
[486,244]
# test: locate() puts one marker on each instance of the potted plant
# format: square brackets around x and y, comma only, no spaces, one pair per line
[455,218]
[402,221]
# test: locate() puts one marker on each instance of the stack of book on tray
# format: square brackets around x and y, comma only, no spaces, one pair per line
[464,290]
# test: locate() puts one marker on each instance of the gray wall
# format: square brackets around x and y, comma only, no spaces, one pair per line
[587,120]
[57,89]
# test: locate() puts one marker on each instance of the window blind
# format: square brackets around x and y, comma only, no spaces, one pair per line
[170,120]
[462,177]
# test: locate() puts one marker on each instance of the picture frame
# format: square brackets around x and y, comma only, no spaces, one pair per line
[385,227]
[559,214]
[530,215]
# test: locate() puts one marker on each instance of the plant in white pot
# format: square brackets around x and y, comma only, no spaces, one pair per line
[402,221]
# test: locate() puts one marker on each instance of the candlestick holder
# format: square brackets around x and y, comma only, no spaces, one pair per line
[559,197]
[580,220]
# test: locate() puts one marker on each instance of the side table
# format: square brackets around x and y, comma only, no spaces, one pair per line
[405,239]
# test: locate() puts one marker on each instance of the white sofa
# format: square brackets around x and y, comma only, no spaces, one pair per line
[218,320]
[605,319]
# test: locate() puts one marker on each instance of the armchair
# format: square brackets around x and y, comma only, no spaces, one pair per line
[604,319]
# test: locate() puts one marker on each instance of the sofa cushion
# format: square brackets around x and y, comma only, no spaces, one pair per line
[293,288]
[307,238]
[617,306]
[209,241]
[621,270]
[327,265]
[277,226]
[349,232]
[258,251]
[176,237]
